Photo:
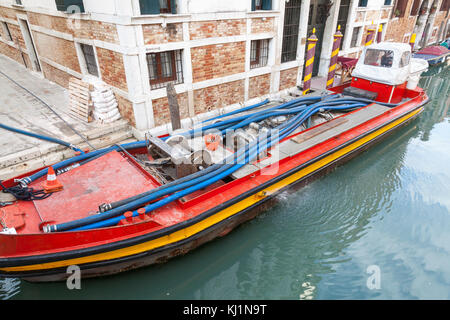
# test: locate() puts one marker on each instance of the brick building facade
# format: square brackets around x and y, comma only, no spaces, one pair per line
[217,53]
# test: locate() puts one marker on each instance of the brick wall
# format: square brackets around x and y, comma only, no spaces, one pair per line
[125,109]
[258,86]
[288,78]
[219,96]
[58,50]
[84,29]
[112,68]
[10,52]
[439,21]
[262,26]
[55,75]
[161,112]
[8,13]
[398,27]
[222,28]
[156,34]
[16,34]
[217,60]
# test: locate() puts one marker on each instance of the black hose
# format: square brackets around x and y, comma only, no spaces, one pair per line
[23,193]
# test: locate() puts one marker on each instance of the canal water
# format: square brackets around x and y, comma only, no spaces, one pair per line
[377,227]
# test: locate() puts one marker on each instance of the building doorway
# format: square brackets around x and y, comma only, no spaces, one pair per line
[318,14]
[30,45]
[344,8]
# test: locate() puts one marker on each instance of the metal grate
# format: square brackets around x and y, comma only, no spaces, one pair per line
[89,58]
[165,67]
[290,30]
[259,53]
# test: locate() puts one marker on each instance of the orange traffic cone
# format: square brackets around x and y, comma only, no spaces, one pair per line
[52,184]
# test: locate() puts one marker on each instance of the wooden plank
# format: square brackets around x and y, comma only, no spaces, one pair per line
[84,93]
[173,106]
[79,88]
[81,104]
[80,111]
[316,131]
[80,83]
[79,97]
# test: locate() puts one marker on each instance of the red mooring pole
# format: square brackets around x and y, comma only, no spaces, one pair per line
[312,41]
[380,33]
[334,56]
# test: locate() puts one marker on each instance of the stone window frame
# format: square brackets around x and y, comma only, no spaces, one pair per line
[154,61]
[261,53]
[82,59]
[6,31]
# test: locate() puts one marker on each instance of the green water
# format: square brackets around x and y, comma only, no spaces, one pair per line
[387,209]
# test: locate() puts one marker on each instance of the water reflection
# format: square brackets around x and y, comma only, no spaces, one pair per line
[388,207]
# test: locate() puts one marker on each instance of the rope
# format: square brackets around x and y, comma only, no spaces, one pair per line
[25,193]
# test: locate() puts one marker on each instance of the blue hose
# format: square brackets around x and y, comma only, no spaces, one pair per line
[112,217]
[188,187]
[41,137]
[239,110]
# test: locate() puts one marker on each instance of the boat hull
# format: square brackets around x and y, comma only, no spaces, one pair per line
[210,225]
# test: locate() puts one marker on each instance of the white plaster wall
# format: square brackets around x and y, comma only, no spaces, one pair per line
[114,7]
[46,4]
[202,6]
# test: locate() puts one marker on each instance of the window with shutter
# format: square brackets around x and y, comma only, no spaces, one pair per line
[261,5]
[157,6]
[69,5]
[362,3]
[400,8]
[415,8]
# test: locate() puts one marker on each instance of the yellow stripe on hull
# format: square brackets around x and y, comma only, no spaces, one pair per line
[219,216]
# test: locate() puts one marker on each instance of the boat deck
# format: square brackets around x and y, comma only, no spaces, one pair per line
[116,176]
[304,140]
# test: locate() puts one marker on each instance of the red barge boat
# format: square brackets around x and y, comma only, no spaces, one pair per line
[142,203]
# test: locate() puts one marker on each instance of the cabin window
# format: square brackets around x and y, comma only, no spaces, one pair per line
[379,58]
[404,60]
[387,2]
[6,31]
[165,67]
[89,59]
[259,53]
[261,5]
[70,5]
[157,6]
[355,35]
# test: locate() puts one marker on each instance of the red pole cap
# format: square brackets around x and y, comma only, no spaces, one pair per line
[129,216]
